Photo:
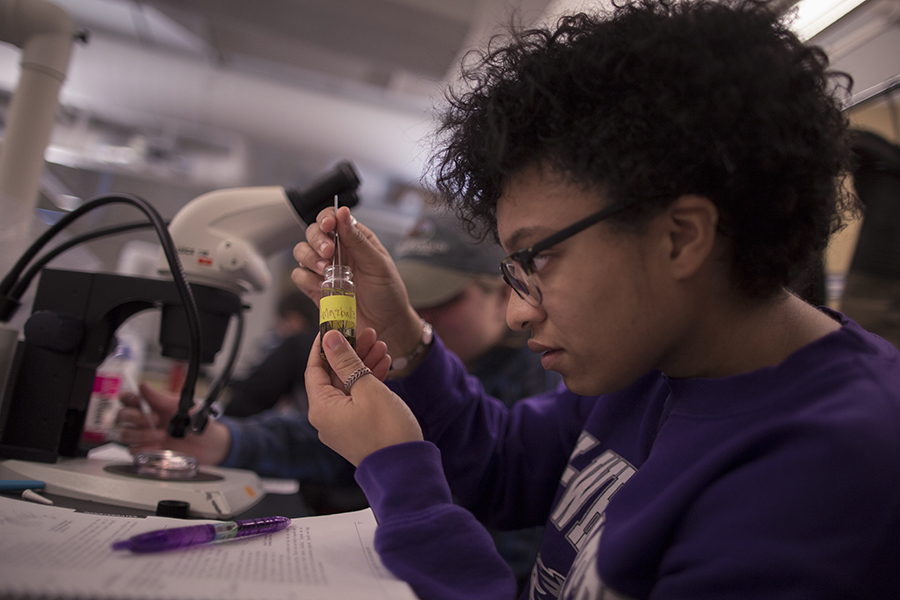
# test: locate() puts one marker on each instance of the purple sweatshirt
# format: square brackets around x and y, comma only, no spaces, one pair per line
[779,483]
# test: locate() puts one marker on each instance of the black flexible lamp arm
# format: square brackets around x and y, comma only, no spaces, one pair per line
[181,421]
[201,417]
[29,275]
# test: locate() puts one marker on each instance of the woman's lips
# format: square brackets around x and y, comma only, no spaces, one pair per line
[549,355]
[549,359]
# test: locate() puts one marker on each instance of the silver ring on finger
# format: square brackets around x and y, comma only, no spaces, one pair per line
[360,372]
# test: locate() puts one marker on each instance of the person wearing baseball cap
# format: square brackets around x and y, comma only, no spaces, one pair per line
[437,259]
[454,283]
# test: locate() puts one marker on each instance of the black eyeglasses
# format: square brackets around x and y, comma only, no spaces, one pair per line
[518,268]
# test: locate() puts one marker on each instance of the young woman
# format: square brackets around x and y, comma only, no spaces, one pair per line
[660,177]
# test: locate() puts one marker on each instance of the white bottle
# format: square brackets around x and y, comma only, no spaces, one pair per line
[118,373]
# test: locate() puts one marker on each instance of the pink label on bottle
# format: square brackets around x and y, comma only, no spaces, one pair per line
[106,386]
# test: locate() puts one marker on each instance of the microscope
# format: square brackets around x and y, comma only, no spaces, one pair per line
[222,239]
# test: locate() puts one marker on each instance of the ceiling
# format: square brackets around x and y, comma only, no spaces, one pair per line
[338,45]
[218,93]
[216,80]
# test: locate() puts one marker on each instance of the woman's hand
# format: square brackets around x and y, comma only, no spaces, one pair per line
[368,417]
[381,299]
[142,431]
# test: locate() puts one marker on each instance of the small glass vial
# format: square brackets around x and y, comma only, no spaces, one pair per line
[337,304]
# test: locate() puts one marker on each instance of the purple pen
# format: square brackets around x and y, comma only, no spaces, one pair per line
[180,537]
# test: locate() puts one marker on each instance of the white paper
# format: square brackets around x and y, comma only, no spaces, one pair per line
[47,551]
[285,487]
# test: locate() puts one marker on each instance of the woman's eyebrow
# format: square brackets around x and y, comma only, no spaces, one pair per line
[535,232]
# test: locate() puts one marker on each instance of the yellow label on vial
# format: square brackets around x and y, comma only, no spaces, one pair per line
[339,307]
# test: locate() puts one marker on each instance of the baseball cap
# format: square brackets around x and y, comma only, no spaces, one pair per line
[437,259]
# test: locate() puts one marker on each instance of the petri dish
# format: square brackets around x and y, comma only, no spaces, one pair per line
[166,464]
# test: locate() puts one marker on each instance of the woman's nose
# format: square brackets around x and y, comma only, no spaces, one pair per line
[521,315]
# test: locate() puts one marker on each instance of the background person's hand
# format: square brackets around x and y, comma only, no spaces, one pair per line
[209,448]
[367,418]
[381,299]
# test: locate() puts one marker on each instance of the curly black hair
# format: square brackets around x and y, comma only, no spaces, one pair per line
[653,101]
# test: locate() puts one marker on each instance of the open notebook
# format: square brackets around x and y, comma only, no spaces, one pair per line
[51,552]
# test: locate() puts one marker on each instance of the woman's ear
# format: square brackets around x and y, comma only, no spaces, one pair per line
[692,223]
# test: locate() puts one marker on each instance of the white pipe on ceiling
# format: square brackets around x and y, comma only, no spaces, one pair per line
[45,33]
[117,79]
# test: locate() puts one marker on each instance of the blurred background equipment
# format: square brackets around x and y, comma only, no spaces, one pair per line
[871,294]
[222,238]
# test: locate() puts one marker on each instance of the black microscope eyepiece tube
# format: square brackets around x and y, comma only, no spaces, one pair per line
[341,181]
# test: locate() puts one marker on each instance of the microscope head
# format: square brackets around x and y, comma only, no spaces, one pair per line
[224,237]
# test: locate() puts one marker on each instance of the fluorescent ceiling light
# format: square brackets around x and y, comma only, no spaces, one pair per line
[813,16]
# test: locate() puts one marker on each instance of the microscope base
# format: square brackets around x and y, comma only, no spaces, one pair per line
[230,491]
